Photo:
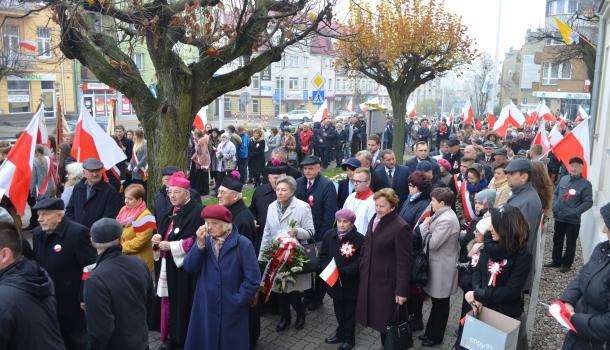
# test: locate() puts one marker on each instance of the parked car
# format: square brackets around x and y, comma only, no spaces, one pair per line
[101,122]
[298,115]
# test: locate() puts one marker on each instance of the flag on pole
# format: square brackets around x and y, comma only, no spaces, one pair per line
[330,274]
[42,137]
[411,110]
[91,141]
[491,119]
[544,112]
[510,115]
[322,112]
[569,35]
[28,46]
[350,105]
[542,138]
[201,119]
[16,171]
[555,135]
[575,144]
[531,116]
[450,119]
[467,113]
[582,115]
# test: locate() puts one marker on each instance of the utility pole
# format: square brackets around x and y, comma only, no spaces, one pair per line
[494,90]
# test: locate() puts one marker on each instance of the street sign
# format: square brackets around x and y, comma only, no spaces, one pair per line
[317,97]
[266,73]
[318,81]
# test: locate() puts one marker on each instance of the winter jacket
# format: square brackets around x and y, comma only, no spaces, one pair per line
[589,293]
[242,151]
[322,199]
[139,243]
[104,202]
[28,311]
[346,253]
[411,212]
[572,197]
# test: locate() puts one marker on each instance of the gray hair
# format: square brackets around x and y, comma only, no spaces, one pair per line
[289,180]
[366,154]
[104,246]
[75,170]
[281,153]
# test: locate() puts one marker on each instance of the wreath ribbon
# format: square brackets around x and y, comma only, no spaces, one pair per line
[285,251]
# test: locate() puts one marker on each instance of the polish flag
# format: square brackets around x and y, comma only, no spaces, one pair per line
[510,115]
[544,112]
[467,114]
[42,137]
[201,119]
[491,119]
[542,138]
[555,135]
[450,119]
[350,105]
[322,112]
[145,223]
[562,120]
[364,107]
[411,110]
[16,171]
[559,312]
[575,144]
[531,117]
[91,141]
[582,115]
[330,275]
[29,46]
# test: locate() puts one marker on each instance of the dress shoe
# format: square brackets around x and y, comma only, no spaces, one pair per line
[417,324]
[429,343]
[552,264]
[564,269]
[423,337]
[345,346]
[300,322]
[284,323]
[333,340]
[314,305]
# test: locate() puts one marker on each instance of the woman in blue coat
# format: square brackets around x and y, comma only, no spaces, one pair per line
[228,278]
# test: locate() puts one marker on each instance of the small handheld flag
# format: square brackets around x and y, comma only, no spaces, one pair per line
[330,275]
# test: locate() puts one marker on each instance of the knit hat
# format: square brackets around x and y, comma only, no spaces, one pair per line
[444,163]
[106,230]
[217,212]
[178,179]
[488,195]
[605,211]
[346,214]
[232,182]
[484,225]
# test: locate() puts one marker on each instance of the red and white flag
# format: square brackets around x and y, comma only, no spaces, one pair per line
[491,119]
[562,121]
[542,138]
[544,112]
[145,223]
[555,135]
[510,115]
[575,144]
[582,115]
[42,137]
[16,171]
[322,112]
[201,119]
[330,275]
[411,110]
[91,141]
[450,119]
[531,116]
[28,46]
[350,105]
[559,312]
[467,113]
[364,107]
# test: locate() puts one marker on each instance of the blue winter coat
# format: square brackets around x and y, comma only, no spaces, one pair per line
[219,317]
[242,150]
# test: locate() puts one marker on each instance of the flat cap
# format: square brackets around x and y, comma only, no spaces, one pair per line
[169,170]
[524,165]
[351,163]
[310,160]
[500,151]
[489,145]
[92,164]
[49,204]
[453,142]
[106,230]
[217,212]
[424,165]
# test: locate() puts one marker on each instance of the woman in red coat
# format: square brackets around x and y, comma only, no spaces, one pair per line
[385,264]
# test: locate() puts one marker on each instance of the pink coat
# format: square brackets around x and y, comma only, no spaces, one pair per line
[202,154]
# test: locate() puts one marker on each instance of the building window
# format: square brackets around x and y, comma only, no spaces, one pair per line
[304,83]
[293,83]
[10,38]
[18,96]
[561,7]
[227,104]
[330,84]
[279,83]
[552,72]
[255,106]
[138,60]
[305,61]
[44,42]
[256,83]
[242,107]
[293,61]
[46,94]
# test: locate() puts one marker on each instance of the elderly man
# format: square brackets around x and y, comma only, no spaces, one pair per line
[28,311]
[262,197]
[455,155]
[228,277]
[116,293]
[488,157]
[162,205]
[471,152]
[62,247]
[393,175]
[92,198]
[175,238]
[345,187]
[361,201]
[280,155]
[365,159]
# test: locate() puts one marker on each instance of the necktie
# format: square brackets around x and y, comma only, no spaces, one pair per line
[390,177]
[309,184]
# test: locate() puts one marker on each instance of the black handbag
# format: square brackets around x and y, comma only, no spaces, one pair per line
[399,335]
[419,271]
[312,250]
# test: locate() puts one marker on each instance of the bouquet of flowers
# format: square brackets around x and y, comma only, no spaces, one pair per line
[338,177]
[284,258]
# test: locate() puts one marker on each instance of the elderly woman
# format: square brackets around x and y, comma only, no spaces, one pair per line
[287,208]
[440,233]
[74,173]
[385,265]
[225,158]
[138,225]
[227,280]
[587,297]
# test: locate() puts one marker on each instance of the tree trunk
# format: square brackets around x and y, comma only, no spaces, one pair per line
[399,108]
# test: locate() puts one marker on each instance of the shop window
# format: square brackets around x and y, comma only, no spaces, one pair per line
[18,96]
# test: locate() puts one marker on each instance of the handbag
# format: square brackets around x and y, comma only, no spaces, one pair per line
[419,270]
[399,335]
[312,250]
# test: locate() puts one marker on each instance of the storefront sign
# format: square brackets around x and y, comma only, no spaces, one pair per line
[18,98]
[33,76]
[563,95]
[96,86]
[126,108]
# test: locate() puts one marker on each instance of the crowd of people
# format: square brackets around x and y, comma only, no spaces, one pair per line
[103,269]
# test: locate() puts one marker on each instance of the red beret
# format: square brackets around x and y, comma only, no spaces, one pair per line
[217,212]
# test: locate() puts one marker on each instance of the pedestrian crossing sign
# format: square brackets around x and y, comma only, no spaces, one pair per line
[317,97]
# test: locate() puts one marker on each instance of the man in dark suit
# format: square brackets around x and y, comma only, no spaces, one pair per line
[92,198]
[393,175]
[455,155]
[262,197]
[422,152]
[321,195]
[63,248]
[345,186]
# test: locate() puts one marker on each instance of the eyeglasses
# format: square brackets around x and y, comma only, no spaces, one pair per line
[357,182]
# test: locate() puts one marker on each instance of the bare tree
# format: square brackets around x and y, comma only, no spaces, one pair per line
[481,72]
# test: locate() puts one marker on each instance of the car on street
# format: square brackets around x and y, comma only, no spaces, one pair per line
[101,122]
[297,115]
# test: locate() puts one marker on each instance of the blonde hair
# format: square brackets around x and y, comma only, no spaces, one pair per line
[139,140]
[388,194]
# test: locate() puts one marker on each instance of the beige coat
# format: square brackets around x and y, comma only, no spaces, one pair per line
[502,192]
[444,232]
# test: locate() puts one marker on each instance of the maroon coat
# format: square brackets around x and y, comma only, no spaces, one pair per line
[385,269]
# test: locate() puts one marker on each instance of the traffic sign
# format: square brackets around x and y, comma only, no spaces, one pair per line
[318,81]
[317,97]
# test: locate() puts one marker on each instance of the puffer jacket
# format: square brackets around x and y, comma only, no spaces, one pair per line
[589,293]
[572,197]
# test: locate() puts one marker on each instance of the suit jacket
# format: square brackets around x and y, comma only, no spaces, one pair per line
[400,181]
[343,192]
[455,160]
[105,202]
[322,198]
[412,165]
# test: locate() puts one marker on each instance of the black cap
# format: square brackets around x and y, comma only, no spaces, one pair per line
[169,170]
[310,160]
[92,164]
[576,160]
[49,204]
[276,170]
[522,165]
[106,230]
[453,142]
[489,145]
[501,152]
[232,182]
